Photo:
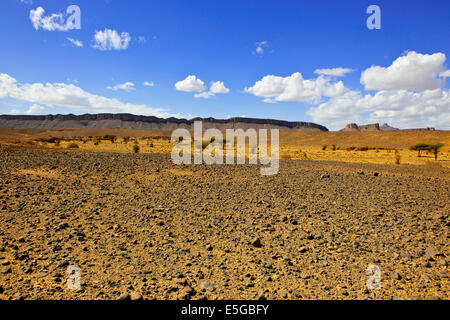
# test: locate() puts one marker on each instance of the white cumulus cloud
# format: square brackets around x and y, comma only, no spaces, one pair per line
[72,97]
[445,74]
[295,88]
[35,109]
[148,84]
[216,87]
[190,84]
[108,39]
[53,22]
[413,71]
[335,72]
[127,86]
[401,108]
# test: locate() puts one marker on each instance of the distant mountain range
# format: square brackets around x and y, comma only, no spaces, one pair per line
[130,121]
[353,127]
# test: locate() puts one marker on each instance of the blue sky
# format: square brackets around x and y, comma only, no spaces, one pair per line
[163,42]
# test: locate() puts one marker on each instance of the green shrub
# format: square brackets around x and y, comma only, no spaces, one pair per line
[419,147]
[72,145]
[110,137]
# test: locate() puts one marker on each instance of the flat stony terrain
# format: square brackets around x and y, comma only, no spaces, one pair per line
[138,225]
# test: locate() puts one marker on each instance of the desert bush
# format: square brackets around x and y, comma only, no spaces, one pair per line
[136,148]
[435,149]
[96,143]
[126,139]
[419,147]
[397,157]
[333,147]
[72,145]
[324,147]
[110,137]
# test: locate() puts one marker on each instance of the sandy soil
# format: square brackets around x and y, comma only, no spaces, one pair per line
[139,226]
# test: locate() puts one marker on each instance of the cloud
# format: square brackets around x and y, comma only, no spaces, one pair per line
[108,39]
[401,108]
[445,74]
[295,88]
[216,87]
[190,84]
[54,22]
[411,94]
[127,86]
[205,95]
[35,109]
[260,47]
[413,71]
[72,97]
[76,43]
[335,72]
[14,111]
[148,84]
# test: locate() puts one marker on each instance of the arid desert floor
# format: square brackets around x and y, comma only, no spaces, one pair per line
[139,226]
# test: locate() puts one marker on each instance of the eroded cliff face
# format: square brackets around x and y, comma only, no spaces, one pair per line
[130,121]
[352,127]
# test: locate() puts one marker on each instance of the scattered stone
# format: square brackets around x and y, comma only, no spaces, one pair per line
[135,296]
[62,264]
[395,276]
[124,296]
[261,297]
[256,242]
[6,270]
[442,262]
[62,226]
[303,249]
[207,285]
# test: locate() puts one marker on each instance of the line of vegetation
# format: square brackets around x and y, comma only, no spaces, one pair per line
[434,148]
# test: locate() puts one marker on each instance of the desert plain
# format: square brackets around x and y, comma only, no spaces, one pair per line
[140,227]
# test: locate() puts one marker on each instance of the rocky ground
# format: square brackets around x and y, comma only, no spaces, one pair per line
[140,227]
